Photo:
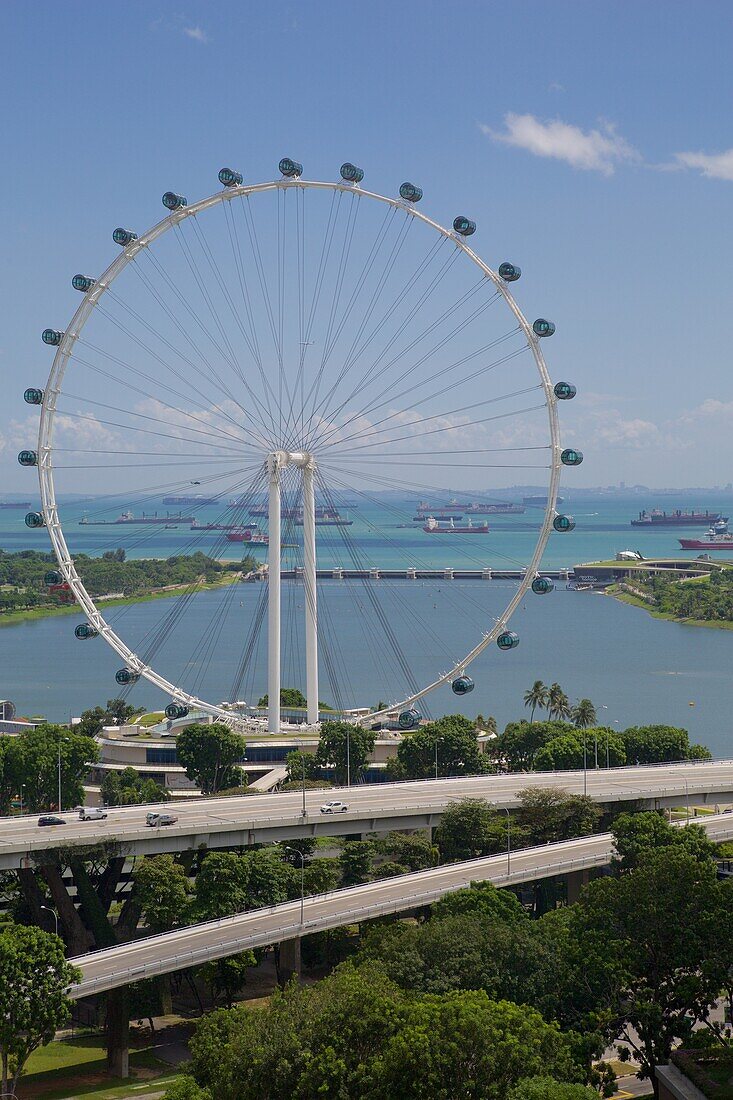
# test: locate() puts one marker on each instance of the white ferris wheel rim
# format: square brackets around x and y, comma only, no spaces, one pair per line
[52,392]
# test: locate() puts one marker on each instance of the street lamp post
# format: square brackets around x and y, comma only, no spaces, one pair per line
[54,914]
[302,876]
[348,758]
[508,841]
[687,801]
[59,801]
[436,757]
[303,812]
[585,763]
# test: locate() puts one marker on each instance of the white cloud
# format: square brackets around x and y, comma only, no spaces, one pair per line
[718,166]
[590,150]
[197,33]
[555,87]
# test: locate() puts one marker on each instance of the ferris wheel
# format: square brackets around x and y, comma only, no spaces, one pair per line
[287,347]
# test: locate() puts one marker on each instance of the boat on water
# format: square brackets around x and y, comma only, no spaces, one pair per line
[130,517]
[15,504]
[452,506]
[421,517]
[717,537]
[223,526]
[253,538]
[502,509]
[678,518]
[432,527]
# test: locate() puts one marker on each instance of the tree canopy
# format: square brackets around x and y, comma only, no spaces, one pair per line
[210,755]
[450,742]
[356,1035]
[31,760]
[33,1004]
[346,748]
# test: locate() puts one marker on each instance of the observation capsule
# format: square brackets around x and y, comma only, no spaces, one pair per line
[462,685]
[507,640]
[229,178]
[124,236]
[410,192]
[52,577]
[28,458]
[351,173]
[176,710]
[564,391]
[571,457]
[35,519]
[172,201]
[563,523]
[509,272]
[33,396]
[83,283]
[290,168]
[127,676]
[542,585]
[541,327]
[84,631]
[52,336]
[408,719]
[464,226]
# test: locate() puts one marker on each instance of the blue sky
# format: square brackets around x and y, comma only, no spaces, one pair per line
[591,142]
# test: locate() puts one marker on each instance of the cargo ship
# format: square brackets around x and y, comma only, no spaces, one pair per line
[452,506]
[254,538]
[421,517]
[678,518]
[15,504]
[432,527]
[188,501]
[324,518]
[222,526]
[718,537]
[130,517]
[502,509]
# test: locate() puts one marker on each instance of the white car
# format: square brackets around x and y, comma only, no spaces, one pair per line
[334,807]
[92,813]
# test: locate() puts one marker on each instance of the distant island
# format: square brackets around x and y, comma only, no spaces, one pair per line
[31,587]
[697,601]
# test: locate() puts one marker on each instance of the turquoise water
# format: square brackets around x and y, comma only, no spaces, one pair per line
[377,635]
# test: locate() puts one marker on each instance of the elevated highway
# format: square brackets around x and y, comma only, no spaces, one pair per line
[256,819]
[200,943]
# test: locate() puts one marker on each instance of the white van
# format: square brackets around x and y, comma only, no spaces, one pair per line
[92,813]
[160,819]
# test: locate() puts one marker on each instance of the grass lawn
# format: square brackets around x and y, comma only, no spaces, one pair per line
[76,1067]
[151,719]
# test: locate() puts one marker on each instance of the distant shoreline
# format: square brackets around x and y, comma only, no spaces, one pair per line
[16,618]
[625,597]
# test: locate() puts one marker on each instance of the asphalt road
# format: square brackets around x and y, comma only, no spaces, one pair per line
[221,822]
[200,943]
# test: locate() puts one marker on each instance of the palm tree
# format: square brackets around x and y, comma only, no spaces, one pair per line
[537,696]
[584,715]
[558,704]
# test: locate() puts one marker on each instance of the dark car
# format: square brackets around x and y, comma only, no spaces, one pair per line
[51,819]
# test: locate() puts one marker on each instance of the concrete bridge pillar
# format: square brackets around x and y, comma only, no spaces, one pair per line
[576,880]
[117,1028]
[288,963]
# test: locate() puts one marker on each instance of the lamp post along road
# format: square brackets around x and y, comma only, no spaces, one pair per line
[54,915]
[275,464]
[298,852]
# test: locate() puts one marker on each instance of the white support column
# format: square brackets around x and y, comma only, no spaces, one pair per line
[309,580]
[273,594]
